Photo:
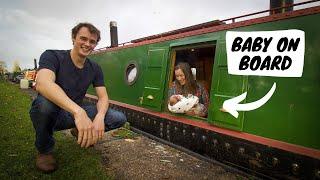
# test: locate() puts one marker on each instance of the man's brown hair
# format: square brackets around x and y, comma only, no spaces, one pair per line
[92,29]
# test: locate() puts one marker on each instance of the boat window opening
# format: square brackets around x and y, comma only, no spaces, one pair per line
[131,73]
[200,59]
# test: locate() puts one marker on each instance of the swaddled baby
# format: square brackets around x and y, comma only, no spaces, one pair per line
[181,104]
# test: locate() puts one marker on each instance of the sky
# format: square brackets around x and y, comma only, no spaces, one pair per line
[29,27]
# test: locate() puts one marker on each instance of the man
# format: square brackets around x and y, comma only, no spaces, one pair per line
[62,81]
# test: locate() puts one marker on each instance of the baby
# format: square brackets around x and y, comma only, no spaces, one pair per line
[189,105]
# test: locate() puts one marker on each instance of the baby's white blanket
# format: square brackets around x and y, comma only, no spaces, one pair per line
[184,105]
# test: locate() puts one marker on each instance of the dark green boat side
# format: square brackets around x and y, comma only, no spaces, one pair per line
[288,121]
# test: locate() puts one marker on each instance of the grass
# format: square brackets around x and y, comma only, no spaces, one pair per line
[17,151]
[124,133]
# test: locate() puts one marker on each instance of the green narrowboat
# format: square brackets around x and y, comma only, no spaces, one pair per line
[276,140]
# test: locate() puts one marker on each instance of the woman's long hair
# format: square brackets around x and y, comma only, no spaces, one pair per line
[190,86]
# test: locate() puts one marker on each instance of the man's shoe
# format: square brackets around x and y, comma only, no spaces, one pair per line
[46,163]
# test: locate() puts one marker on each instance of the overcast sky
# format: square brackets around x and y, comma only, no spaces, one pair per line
[28,27]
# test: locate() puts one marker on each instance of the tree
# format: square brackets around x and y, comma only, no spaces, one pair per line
[3,67]
[16,67]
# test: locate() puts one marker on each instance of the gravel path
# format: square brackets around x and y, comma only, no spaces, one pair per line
[139,158]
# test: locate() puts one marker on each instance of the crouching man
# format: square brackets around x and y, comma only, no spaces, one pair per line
[62,81]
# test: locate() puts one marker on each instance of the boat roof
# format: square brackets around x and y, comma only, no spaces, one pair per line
[216,25]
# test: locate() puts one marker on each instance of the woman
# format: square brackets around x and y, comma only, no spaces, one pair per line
[185,84]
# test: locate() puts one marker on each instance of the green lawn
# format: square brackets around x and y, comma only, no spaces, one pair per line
[17,151]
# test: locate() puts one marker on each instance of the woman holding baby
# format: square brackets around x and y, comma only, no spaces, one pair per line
[185,84]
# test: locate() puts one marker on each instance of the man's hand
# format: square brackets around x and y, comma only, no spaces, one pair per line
[85,128]
[98,127]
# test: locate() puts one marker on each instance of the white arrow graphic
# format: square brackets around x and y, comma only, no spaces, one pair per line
[232,106]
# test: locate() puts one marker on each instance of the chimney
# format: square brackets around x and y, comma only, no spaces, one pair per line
[280,3]
[113,34]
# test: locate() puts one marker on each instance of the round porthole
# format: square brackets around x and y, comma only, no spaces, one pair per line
[131,73]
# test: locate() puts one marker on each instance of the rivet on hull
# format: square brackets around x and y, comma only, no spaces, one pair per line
[318,173]
[215,142]
[295,168]
[275,161]
[258,155]
[241,151]
[204,138]
[227,145]
[168,137]
[193,135]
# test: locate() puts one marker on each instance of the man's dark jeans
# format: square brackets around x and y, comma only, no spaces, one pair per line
[48,117]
